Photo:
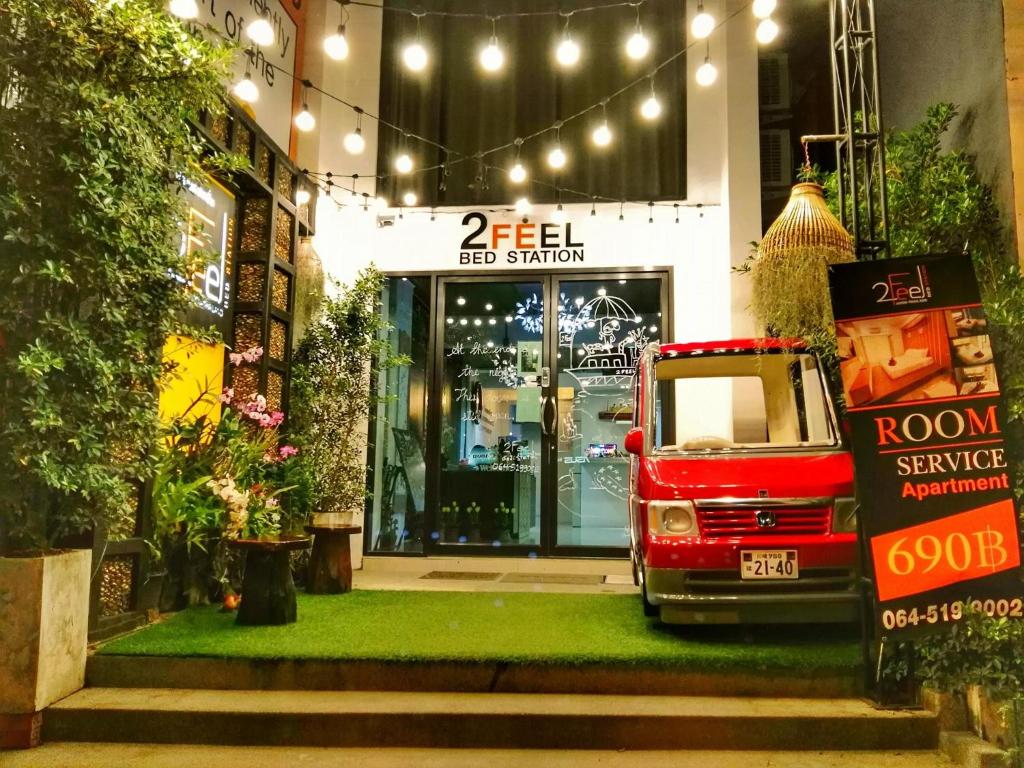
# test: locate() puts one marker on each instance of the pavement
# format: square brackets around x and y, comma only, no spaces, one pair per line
[82,755]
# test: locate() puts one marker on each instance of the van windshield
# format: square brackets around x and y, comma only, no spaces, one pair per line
[742,401]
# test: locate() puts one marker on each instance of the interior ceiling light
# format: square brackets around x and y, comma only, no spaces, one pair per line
[246,90]
[305,121]
[568,51]
[409,198]
[523,207]
[336,45]
[517,173]
[403,163]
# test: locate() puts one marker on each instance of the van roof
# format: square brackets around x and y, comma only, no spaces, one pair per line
[731,345]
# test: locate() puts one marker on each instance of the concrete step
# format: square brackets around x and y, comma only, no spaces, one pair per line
[482,721]
[79,755]
[112,671]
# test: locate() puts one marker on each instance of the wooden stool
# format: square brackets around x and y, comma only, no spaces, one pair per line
[268,592]
[330,563]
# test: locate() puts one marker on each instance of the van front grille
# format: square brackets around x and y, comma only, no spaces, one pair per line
[745,522]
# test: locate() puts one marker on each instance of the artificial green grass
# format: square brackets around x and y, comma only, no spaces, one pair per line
[538,628]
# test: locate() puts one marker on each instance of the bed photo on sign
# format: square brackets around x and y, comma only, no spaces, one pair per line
[896,358]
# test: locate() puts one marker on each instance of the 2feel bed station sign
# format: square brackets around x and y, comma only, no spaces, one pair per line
[928,418]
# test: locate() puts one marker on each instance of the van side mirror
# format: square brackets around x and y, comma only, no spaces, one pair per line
[635,441]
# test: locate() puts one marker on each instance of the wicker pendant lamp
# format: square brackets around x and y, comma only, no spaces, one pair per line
[790,280]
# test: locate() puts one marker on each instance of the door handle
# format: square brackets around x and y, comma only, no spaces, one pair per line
[548,426]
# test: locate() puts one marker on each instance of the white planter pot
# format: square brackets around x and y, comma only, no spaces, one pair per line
[44,626]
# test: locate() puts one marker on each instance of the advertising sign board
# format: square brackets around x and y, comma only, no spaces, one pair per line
[928,422]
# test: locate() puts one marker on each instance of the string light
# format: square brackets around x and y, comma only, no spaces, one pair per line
[409,198]
[703,23]
[763,8]
[651,108]
[415,55]
[260,31]
[650,212]
[767,31]
[354,142]
[637,46]
[245,89]
[184,9]
[568,51]
[557,158]
[336,45]
[302,196]
[517,173]
[381,203]
[305,121]
[403,163]
[706,72]
[523,206]
[558,216]
[602,135]
[622,204]
[492,58]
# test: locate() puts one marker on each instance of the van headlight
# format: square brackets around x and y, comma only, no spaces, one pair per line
[844,515]
[672,518]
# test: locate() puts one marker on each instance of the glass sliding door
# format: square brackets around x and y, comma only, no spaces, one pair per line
[491,439]
[603,326]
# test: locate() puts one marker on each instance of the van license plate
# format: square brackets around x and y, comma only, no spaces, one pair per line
[769,564]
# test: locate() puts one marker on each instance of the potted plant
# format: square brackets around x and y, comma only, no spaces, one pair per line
[331,394]
[90,206]
[450,514]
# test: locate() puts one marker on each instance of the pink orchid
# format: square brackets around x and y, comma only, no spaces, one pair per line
[235,358]
[226,394]
[287,450]
[264,419]
[276,418]
[252,354]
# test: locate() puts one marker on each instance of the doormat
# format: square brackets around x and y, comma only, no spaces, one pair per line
[461,575]
[552,578]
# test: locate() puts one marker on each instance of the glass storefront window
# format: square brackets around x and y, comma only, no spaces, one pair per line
[604,325]
[399,429]
[491,398]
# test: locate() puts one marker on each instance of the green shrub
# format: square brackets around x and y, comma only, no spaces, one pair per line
[95,104]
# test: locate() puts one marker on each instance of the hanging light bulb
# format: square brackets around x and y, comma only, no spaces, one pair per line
[354,142]
[523,206]
[414,54]
[706,72]
[557,158]
[260,31]
[305,121]
[403,163]
[651,107]
[492,58]
[602,135]
[767,31]
[517,173]
[637,46]
[703,23]
[302,196]
[558,215]
[381,203]
[336,45]
[568,51]
[184,9]
[763,8]
[409,198]
[246,90]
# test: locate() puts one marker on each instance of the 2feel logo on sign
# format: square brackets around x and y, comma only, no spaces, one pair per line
[523,243]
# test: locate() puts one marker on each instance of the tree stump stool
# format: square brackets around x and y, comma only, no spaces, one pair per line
[268,592]
[330,563]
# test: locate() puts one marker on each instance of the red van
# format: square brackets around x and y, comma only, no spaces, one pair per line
[741,507]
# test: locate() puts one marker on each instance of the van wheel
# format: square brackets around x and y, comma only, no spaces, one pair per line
[650,610]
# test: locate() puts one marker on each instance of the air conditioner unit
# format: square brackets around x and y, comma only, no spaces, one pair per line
[773,81]
[776,158]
